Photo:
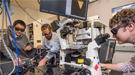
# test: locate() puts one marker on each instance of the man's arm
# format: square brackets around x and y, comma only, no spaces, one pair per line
[55,48]
[29,45]
[126,67]
[56,45]
[43,61]
[133,59]
[110,66]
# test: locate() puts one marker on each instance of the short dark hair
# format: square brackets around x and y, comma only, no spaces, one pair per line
[46,26]
[123,18]
[19,22]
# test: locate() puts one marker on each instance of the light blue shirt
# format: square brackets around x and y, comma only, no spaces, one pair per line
[52,44]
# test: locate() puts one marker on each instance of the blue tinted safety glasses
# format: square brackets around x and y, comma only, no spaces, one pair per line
[46,34]
[17,29]
[115,30]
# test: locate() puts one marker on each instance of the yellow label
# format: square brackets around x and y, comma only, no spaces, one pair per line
[60,67]
[80,60]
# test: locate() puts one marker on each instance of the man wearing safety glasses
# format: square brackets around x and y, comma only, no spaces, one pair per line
[123,29]
[50,41]
[24,47]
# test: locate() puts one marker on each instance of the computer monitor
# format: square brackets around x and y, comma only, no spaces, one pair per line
[107,50]
[68,8]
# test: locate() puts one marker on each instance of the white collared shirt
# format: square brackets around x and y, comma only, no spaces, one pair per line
[17,36]
[53,44]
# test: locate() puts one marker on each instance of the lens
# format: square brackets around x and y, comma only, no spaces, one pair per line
[17,29]
[115,30]
[22,30]
[46,34]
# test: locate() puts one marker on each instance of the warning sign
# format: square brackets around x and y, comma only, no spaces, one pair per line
[80,3]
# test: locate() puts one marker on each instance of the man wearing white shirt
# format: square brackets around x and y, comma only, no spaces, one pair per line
[50,41]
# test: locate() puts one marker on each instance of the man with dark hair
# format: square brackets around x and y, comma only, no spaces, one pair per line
[50,41]
[19,22]
[123,29]
[24,47]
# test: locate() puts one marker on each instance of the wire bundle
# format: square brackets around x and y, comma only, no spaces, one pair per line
[5,6]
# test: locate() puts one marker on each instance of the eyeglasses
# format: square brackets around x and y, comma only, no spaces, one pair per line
[46,33]
[17,29]
[115,30]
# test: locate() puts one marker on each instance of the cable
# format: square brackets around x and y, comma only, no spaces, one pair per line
[1,11]
[8,35]
[0,71]
[68,39]
[13,35]
[37,55]
[26,12]
[38,1]
[0,53]
[4,42]
[87,41]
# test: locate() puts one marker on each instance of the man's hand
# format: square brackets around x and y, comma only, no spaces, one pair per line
[16,62]
[43,61]
[110,66]
[28,48]
[39,47]
[102,66]
[133,59]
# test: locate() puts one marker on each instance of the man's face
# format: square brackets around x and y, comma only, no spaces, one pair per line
[47,33]
[19,29]
[122,35]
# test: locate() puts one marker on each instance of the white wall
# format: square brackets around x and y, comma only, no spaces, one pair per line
[102,8]
[46,16]
[33,13]
[19,14]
